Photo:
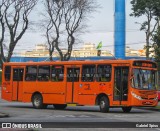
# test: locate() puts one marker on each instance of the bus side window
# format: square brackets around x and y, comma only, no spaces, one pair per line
[57,73]
[104,73]
[7,73]
[44,73]
[31,73]
[70,74]
[73,74]
[88,73]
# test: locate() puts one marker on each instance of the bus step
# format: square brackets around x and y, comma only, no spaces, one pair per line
[71,104]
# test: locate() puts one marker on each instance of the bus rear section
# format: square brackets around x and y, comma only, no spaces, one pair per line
[12,83]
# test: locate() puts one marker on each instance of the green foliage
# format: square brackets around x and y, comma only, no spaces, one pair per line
[156,46]
[150,9]
[142,7]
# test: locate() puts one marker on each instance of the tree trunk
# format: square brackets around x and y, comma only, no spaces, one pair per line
[147,51]
[50,56]
[1,62]
[147,46]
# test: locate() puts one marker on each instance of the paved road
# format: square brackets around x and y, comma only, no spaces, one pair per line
[24,112]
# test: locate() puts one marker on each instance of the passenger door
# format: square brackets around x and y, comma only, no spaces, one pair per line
[73,75]
[17,85]
[120,90]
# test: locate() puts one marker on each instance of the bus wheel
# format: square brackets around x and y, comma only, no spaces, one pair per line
[60,106]
[104,104]
[37,101]
[126,109]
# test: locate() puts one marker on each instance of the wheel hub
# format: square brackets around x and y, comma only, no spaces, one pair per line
[36,101]
[102,104]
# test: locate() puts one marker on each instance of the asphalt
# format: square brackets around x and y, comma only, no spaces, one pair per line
[2,115]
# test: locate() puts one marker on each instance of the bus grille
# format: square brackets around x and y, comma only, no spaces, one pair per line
[146,98]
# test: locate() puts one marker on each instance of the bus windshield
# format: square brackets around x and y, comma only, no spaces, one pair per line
[144,79]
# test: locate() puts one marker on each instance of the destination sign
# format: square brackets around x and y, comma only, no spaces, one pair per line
[145,64]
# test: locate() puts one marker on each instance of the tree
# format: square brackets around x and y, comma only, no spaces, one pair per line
[13,24]
[150,9]
[52,22]
[156,46]
[64,20]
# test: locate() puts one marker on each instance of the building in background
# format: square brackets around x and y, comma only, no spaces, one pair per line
[40,50]
[87,50]
[133,52]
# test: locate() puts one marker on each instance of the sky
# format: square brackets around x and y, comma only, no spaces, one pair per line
[100,28]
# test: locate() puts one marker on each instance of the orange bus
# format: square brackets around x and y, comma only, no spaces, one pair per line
[107,83]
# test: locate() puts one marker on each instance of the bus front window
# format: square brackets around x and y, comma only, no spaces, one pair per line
[144,79]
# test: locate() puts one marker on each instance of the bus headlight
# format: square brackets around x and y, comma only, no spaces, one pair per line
[136,96]
[155,99]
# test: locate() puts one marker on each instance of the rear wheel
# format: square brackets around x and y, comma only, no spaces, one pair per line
[60,106]
[104,104]
[37,101]
[126,109]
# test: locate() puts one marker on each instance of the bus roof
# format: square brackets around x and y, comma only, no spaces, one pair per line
[74,62]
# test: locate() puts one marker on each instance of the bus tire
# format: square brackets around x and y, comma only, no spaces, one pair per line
[104,104]
[126,109]
[60,106]
[37,101]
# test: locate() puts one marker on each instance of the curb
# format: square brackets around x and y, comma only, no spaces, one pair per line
[2,115]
